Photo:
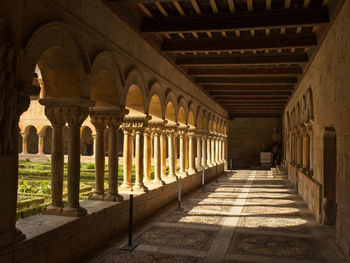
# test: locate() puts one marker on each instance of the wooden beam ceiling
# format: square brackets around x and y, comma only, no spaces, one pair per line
[246,80]
[239,44]
[246,21]
[247,88]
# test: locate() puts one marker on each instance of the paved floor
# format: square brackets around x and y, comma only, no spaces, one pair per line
[248,216]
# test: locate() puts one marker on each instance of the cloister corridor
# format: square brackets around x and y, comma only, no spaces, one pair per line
[247,216]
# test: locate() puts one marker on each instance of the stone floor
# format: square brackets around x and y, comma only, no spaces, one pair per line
[248,216]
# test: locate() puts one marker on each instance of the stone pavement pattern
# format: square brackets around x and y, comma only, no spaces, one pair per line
[248,216]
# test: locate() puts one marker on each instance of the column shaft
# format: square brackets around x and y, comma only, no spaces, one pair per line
[171,155]
[25,143]
[209,152]
[199,153]
[204,153]
[191,169]
[157,160]
[147,156]
[41,144]
[127,161]
[99,164]
[163,155]
[139,186]
[113,166]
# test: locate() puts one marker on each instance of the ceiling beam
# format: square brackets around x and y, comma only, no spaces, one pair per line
[252,43]
[254,115]
[241,60]
[251,99]
[248,88]
[245,71]
[260,103]
[121,3]
[240,93]
[246,80]
[231,22]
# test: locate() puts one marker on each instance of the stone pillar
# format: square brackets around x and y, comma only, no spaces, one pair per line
[127,157]
[212,154]
[199,152]
[157,158]
[98,120]
[56,116]
[75,118]
[176,146]
[204,152]
[187,155]
[171,154]
[182,149]
[24,143]
[147,155]
[139,128]
[41,143]
[93,144]
[163,154]
[191,169]
[209,152]
[311,147]
[216,141]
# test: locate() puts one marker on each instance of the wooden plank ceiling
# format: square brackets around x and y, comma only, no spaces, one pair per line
[247,54]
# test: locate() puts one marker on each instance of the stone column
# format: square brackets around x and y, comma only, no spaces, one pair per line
[98,120]
[147,155]
[299,149]
[41,143]
[93,144]
[127,157]
[182,149]
[24,143]
[163,154]
[156,130]
[209,151]
[212,154]
[216,142]
[139,128]
[186,153]
[75,118]
[199,152]
[56,116]
[311,147]
[113,122]
[204,152]
[171,154]
[176,146]
[191,169]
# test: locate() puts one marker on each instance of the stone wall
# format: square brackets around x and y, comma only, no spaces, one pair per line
[246,136]
[328,78]
[64,239]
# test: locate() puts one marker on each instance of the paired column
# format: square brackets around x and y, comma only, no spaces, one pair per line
[56,116]
[24,142]
[199,152]
[147,154]
[191,138]
[204,152]
[156,130]
[209,160]
[182,148]
[171,153]
[163,139]
[212,147]
[75,118]
[127,157]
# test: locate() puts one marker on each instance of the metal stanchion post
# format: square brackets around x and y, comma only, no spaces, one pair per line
[130,246]
[203,181]
[179,208]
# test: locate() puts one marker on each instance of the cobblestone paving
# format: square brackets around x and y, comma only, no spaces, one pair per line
[248,216]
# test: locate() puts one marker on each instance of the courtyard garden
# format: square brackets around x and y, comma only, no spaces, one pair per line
[34,184]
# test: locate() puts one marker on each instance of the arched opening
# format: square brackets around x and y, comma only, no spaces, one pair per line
[134,100]
[170,112]
[32,140]
[155,107]
[191,120]
[329,176]
[86,141]
[47,140]
[181,116]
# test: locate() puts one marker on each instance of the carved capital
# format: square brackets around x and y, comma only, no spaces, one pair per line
[76,116]
[98,120]
[56,115]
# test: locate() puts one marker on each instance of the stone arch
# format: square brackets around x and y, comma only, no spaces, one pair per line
[182,113]
[86,141]
[53,48]
[156,91]
[107,84]
[135,97]
[155,107]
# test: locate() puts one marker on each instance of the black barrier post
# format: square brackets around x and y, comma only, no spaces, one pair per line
[130,246]
[216,176]
[179,197]
[203,181]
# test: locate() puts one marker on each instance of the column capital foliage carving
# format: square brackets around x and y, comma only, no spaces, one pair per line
[98,120]
[56,115]
[76,115]
[133,123]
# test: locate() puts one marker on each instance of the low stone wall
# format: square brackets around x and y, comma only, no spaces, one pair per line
[310,191]
[63,239]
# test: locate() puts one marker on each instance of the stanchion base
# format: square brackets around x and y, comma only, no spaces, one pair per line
[179,209]
[129,248]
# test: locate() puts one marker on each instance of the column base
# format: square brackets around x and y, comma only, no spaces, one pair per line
[125,187]
[11,237]
[74,211]
[192,171]
[52,210]
[139,188]
[158,182]
[183,174]
[113,197]
[172,177]
[97,196]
